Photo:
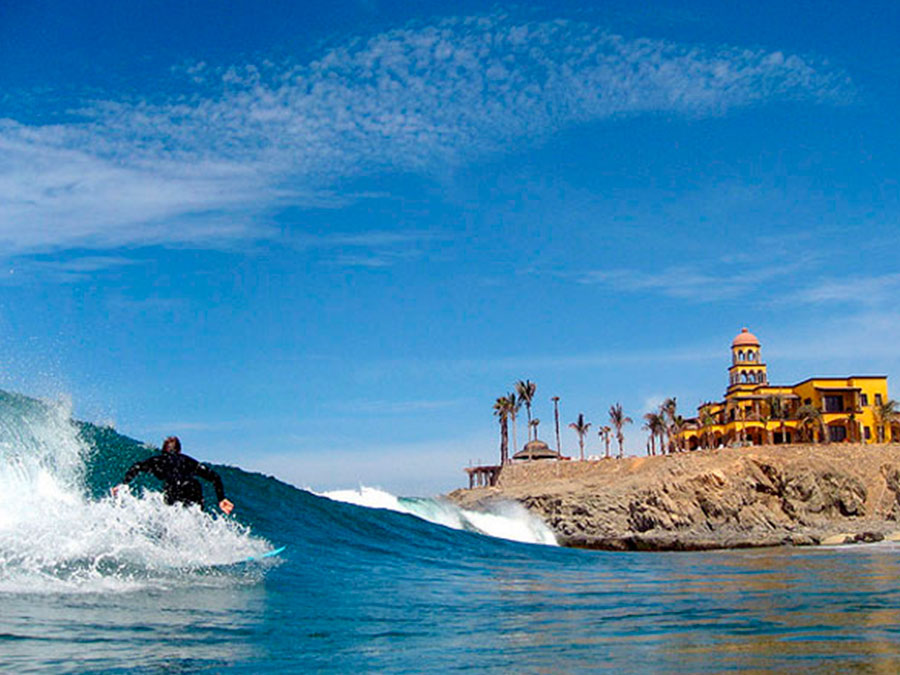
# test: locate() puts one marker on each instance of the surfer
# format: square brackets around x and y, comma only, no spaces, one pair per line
[178,473]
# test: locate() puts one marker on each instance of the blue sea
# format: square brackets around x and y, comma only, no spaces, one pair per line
[371,582]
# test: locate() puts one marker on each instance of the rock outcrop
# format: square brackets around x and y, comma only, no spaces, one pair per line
[727,498]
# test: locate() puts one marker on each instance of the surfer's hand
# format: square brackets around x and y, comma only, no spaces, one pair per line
[226,506]
[115,490]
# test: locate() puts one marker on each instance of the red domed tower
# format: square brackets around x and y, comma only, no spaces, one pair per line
[747,369]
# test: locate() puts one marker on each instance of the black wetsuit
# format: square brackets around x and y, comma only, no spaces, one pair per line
[178,473]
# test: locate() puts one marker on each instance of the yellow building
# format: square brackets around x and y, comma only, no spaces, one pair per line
[831,409]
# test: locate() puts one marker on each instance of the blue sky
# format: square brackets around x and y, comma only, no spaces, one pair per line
[319,239]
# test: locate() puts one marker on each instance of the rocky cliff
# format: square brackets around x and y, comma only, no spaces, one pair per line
[759,496]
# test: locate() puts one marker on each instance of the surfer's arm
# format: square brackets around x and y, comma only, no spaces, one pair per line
[208,474]
[134,470]
[138,467]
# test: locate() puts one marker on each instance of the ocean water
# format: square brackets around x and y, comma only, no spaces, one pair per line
[375,583]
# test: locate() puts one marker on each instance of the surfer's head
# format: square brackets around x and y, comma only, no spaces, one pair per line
[172,444]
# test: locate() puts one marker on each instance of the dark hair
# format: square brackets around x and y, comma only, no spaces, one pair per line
[171,444]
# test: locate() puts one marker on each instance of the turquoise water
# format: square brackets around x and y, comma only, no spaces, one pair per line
[93,584]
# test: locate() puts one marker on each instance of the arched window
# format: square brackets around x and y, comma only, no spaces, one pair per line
[741,355]
[744,376]
[751,356]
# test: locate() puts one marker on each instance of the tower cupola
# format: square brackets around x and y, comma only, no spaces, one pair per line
[747,369]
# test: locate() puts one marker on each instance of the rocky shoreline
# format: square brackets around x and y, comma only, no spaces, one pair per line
[710,499]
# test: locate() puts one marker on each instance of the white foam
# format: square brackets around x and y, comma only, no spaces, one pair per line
[55,539]
[506,520]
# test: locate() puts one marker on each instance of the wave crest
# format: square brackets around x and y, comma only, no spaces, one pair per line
[507,520]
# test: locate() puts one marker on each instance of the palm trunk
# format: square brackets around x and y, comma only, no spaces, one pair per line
[504,442]
[515,443]
[556,420]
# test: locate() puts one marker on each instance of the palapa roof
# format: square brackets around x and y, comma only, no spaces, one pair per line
[535,449]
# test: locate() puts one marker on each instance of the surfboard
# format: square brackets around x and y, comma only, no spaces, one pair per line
[248,559]
[267,554]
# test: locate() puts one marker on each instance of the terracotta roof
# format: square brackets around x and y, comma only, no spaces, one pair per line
[745,339]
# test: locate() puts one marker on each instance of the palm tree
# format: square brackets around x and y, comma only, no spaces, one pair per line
[765,418]
[662,432]
[852,427]
[656,425]
[555,400]
[618,420]
[707,421]
[652,421]
[778,411]
[810,420]
[742,415]
[502,407]
[886,413]
[526,390]
[604,434]
[534,426]
[515,405]
[678,425]
[581,428]
[668,410]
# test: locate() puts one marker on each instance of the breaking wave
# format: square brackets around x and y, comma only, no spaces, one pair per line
[505,521]
[61,530]
[54,536]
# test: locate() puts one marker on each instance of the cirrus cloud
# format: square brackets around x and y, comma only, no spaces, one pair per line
[204,168]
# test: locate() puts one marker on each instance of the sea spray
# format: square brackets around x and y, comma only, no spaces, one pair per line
[507,520]
[55,538]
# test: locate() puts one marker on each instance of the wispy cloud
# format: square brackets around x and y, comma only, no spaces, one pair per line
[690,283]
[204,167]
[863,340]
[870,291]
[64,271]
[371,249]
[371,261]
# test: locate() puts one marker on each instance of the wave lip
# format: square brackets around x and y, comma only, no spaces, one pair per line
[505,520]
[55,538]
